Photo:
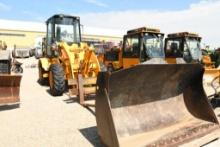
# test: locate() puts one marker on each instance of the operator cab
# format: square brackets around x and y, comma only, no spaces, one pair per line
[183,45]
[61,28]
[141,45]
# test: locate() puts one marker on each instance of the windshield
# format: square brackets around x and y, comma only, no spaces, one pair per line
[67,30]
[153,44]
[194,47]
[112,55]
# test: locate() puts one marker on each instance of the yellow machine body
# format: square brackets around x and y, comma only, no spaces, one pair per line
[66,58]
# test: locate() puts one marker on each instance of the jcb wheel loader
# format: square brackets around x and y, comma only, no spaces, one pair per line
[150,102]
[67,63]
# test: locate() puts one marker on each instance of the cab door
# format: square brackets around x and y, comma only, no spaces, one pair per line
[131,51]
[173,49]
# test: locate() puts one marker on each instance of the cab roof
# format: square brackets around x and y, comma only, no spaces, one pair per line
[144,30]
[61,16]
[183,34]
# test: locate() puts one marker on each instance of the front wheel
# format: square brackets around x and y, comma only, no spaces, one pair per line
[57,80]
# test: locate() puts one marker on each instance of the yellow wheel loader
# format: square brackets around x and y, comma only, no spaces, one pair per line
[68,63]
[10,82]
[185,45]
[140,45]
[150,102]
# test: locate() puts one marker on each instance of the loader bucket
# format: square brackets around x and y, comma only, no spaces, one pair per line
[153,105]
[9,89]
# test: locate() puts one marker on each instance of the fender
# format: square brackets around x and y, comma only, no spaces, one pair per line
[45,63]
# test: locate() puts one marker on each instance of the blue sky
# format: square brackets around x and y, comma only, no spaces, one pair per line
[38,10]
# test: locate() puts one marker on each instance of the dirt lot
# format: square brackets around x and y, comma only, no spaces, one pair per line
[45,121]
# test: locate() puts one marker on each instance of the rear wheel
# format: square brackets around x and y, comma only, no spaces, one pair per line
[18,69]
[57,80]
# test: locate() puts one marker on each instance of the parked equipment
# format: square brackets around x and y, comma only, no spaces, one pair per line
[108,54]
[20,52]
[183,45]
[112,58]
[68,60]
[38,47]
[150,102]
[16,66]
[206,60]
[10,82]
[140,45]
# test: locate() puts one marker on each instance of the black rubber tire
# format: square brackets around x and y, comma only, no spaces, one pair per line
[19,70]
[57,87]
[41,80]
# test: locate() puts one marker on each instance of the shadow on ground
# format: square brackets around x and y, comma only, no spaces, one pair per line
[9,107]
[91,135]
[44,83]
[76,100]
[90,110]
[71,100]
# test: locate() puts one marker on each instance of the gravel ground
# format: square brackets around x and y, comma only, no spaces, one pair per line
[45,121]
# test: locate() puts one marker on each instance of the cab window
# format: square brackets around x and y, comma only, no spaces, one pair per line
[173,48]
[131,47]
